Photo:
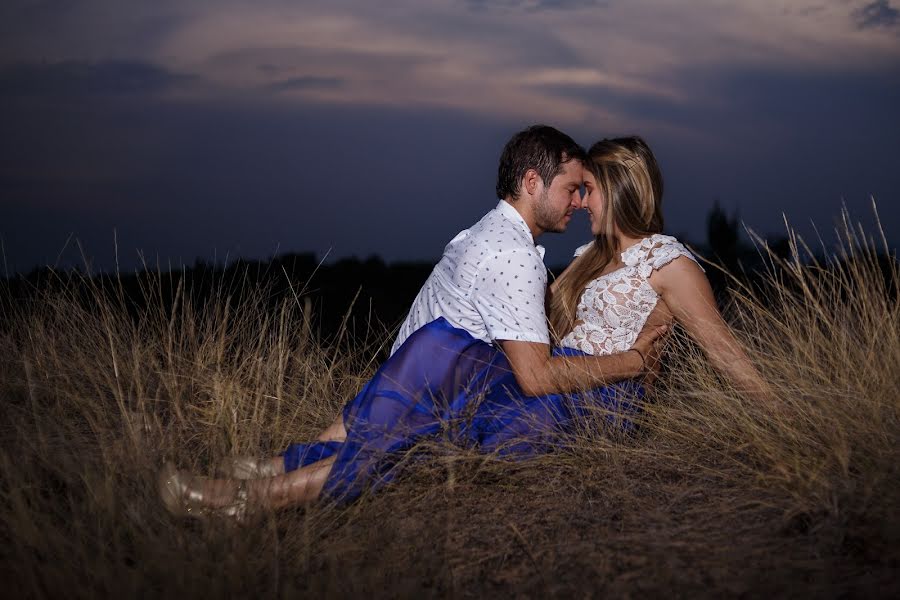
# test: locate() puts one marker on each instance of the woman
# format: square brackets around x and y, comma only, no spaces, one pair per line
[606,295]
[444,384]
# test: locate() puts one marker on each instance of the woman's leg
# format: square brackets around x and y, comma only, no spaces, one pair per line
[332,436]
[249,467]
[300,486]
[187,494]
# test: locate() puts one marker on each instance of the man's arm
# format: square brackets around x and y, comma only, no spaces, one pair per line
[538,373]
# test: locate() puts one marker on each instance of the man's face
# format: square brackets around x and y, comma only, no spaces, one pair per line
[560,199]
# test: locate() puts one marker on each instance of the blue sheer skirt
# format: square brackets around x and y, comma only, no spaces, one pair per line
[443,385]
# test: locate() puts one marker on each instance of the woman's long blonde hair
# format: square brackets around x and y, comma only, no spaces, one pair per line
[632,186]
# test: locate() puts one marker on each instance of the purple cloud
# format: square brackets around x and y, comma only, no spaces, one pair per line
[72,77]
[879,13]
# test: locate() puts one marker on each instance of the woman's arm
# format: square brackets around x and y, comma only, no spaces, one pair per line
[684,288]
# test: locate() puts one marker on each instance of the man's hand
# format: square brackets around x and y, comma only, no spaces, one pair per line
[649,344]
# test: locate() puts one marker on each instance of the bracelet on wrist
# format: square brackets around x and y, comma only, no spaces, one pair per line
[643,358]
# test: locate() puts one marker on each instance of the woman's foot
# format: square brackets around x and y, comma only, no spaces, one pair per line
[248,467]
[186,495]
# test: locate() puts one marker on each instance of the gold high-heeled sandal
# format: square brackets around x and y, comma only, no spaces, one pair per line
[182,500]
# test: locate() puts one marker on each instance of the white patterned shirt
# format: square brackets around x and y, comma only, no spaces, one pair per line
[491,282]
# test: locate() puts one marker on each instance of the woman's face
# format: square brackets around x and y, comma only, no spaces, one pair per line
[593,201]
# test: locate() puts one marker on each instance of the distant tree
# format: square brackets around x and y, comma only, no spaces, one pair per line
[723,237]
[723,241]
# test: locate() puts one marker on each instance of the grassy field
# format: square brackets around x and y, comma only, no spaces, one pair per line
[716,496]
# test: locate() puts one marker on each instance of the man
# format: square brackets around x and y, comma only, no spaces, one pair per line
[491,280]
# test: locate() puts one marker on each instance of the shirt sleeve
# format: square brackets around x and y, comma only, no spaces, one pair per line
[509,294]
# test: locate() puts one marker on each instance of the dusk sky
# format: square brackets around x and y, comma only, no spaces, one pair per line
[237,128]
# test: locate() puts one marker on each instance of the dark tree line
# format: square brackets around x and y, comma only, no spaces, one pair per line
[363,293]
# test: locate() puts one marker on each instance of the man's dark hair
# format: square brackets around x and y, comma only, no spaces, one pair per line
[540,147]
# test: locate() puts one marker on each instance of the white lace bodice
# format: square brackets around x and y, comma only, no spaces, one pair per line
[613,308]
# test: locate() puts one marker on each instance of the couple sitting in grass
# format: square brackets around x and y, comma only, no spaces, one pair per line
[491,358]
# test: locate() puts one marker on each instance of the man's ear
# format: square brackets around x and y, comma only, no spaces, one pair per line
[530,182]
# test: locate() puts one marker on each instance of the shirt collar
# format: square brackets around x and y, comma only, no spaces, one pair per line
[506,209]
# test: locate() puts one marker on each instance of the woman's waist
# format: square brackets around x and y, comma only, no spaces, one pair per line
[604,339]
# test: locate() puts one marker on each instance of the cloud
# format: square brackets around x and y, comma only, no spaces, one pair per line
[505,58]
[90,30]
[78,78]
[531,5]
[877,14]
[297,84]
[513,63]
[772,103]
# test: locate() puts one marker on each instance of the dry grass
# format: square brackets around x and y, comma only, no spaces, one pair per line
[716,496]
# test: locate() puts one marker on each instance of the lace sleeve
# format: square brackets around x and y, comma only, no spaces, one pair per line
[581,249]
[667,251]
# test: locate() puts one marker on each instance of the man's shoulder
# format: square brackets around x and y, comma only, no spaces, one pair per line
[496,233]
[485,245]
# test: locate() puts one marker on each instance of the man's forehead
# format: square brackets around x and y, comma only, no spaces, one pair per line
[572,170]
